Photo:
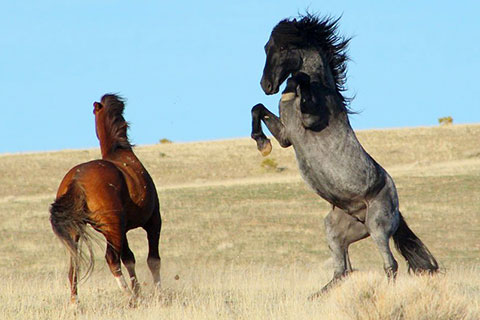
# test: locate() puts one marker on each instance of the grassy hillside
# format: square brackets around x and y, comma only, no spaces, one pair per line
[247,241]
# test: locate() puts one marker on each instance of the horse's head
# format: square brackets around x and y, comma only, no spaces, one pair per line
[310,45]
[111,127]
[99,111]
[283,59]
[110,106]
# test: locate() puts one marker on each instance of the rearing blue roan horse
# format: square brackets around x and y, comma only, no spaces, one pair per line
[314,120]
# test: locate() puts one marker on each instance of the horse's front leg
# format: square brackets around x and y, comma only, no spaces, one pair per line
[314,115]
[274,124]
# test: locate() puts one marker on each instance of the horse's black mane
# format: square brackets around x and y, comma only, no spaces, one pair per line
[310,30]
[115,123]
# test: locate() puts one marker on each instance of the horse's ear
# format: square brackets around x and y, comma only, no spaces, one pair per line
[97,106]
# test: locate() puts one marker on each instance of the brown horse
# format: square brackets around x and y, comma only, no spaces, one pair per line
[113,195]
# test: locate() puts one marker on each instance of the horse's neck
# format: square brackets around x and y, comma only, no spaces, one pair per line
[317,68]
[323,84]
[106,146]
[120,156]
[110,145]
[110,150]
[328,99]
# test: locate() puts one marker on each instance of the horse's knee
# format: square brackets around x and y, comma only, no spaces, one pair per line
[257,108]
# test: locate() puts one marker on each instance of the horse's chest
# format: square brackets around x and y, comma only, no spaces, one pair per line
[289,113]
[311,173]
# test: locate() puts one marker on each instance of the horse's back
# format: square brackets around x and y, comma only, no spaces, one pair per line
[84,172]
[114,188]
[100,181]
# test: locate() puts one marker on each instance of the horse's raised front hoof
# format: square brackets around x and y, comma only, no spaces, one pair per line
[264,146]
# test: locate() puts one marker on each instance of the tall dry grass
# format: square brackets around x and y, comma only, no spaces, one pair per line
[247,242]
[251,292]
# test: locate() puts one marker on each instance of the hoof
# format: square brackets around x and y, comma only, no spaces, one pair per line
[334,282]
[74,304]
[320,293]
[265,147]
[74,307]
[133,301]
[158,287]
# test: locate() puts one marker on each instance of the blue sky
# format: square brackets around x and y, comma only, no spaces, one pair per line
[190,70]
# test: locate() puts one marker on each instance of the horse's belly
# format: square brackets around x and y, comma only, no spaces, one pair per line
[333,185]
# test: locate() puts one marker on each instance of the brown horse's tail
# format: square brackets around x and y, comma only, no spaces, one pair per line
[419,258]
[69,216]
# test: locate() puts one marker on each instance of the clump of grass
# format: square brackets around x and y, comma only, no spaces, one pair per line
[445,121]
[269,164]
[165,141]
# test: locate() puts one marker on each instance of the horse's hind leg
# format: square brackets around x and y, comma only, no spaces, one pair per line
[128,260]
[114,238]
[382,221]
[342,230]
[73,274]
[153,227]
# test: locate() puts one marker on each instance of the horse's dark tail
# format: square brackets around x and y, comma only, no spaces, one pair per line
[68,217]
[419,258]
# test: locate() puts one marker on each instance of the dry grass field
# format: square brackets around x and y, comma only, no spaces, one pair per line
[245,241]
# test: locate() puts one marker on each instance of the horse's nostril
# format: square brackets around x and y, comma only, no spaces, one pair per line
[267,86]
